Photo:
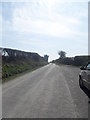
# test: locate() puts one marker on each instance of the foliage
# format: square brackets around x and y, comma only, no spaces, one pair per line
[62,54]
[46,57]
[77,60]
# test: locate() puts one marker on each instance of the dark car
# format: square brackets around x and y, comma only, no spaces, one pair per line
[84,77]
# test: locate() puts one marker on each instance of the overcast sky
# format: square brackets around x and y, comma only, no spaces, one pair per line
[45,27]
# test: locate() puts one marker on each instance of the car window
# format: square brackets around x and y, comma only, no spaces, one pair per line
[88,67]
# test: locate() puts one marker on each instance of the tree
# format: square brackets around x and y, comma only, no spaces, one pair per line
[62,54]
[46,57]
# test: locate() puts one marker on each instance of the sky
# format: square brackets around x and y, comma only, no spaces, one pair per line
[45,27]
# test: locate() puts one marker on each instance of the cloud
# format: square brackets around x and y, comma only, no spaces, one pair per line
[35,42]
[46,0]
[39,18]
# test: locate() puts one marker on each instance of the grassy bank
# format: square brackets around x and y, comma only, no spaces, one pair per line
[15,63]
[15,75]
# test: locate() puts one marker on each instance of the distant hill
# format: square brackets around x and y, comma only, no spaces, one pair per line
[16,61]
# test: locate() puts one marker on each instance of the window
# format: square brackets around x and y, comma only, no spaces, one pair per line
[88,67]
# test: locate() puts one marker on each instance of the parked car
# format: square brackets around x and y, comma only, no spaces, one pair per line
[84,77]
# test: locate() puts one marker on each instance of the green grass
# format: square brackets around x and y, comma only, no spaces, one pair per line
[18,75]
[13,70]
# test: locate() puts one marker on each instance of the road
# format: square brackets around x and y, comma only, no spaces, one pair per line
[48,92]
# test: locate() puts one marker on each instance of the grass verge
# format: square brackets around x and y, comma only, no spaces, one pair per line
[4,80]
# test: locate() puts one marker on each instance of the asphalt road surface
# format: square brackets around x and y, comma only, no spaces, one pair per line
[48,92]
